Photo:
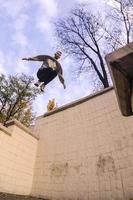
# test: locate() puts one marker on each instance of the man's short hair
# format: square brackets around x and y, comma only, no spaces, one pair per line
[59,53]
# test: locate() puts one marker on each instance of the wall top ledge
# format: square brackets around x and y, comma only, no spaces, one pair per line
[5,130]
[21,126]
[75,103]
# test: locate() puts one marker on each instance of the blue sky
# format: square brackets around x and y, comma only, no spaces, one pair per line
[27,30]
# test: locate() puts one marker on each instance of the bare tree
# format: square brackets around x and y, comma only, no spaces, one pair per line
[120,22]
[81,35]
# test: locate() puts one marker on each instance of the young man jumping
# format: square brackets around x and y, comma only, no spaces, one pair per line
[49,69]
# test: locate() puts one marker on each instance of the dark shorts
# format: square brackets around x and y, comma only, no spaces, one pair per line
[46,75]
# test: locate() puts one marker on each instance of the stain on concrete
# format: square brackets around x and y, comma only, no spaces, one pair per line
[59,169]
[105,164]
[77,168]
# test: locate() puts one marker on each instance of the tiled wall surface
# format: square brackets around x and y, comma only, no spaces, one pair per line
[17,159]
[85,152]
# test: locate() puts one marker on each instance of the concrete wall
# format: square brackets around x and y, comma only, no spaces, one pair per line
[17,158]
[85,151]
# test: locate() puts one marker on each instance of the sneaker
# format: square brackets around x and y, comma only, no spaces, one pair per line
[42,86]
[37,83]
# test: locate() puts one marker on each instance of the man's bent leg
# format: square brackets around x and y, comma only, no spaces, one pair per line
[50,76]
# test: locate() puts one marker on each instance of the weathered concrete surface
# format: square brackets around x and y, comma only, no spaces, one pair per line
[120,64]
[85,151]
[18,147]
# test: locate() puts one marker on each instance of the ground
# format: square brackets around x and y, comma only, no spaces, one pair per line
[4,196]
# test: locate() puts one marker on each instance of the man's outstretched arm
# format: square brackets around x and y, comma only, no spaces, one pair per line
[36,58]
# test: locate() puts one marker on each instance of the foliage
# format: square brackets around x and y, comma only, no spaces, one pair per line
[51,105]
[16,97]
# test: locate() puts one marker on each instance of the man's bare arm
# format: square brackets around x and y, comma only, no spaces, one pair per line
[62,80]
[36,58]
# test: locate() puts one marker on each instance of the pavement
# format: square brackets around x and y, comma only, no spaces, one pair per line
[4,196]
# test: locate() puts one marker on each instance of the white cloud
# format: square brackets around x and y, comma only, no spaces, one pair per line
[21,67]
[44,25]
[49,7]
[20,39]
[89,1]
[39,105]
[2,63]
[19,25]
[12,8]
[21,22]
[15,10]
[10,64]
[48,11]
[110,2]
[84,1]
